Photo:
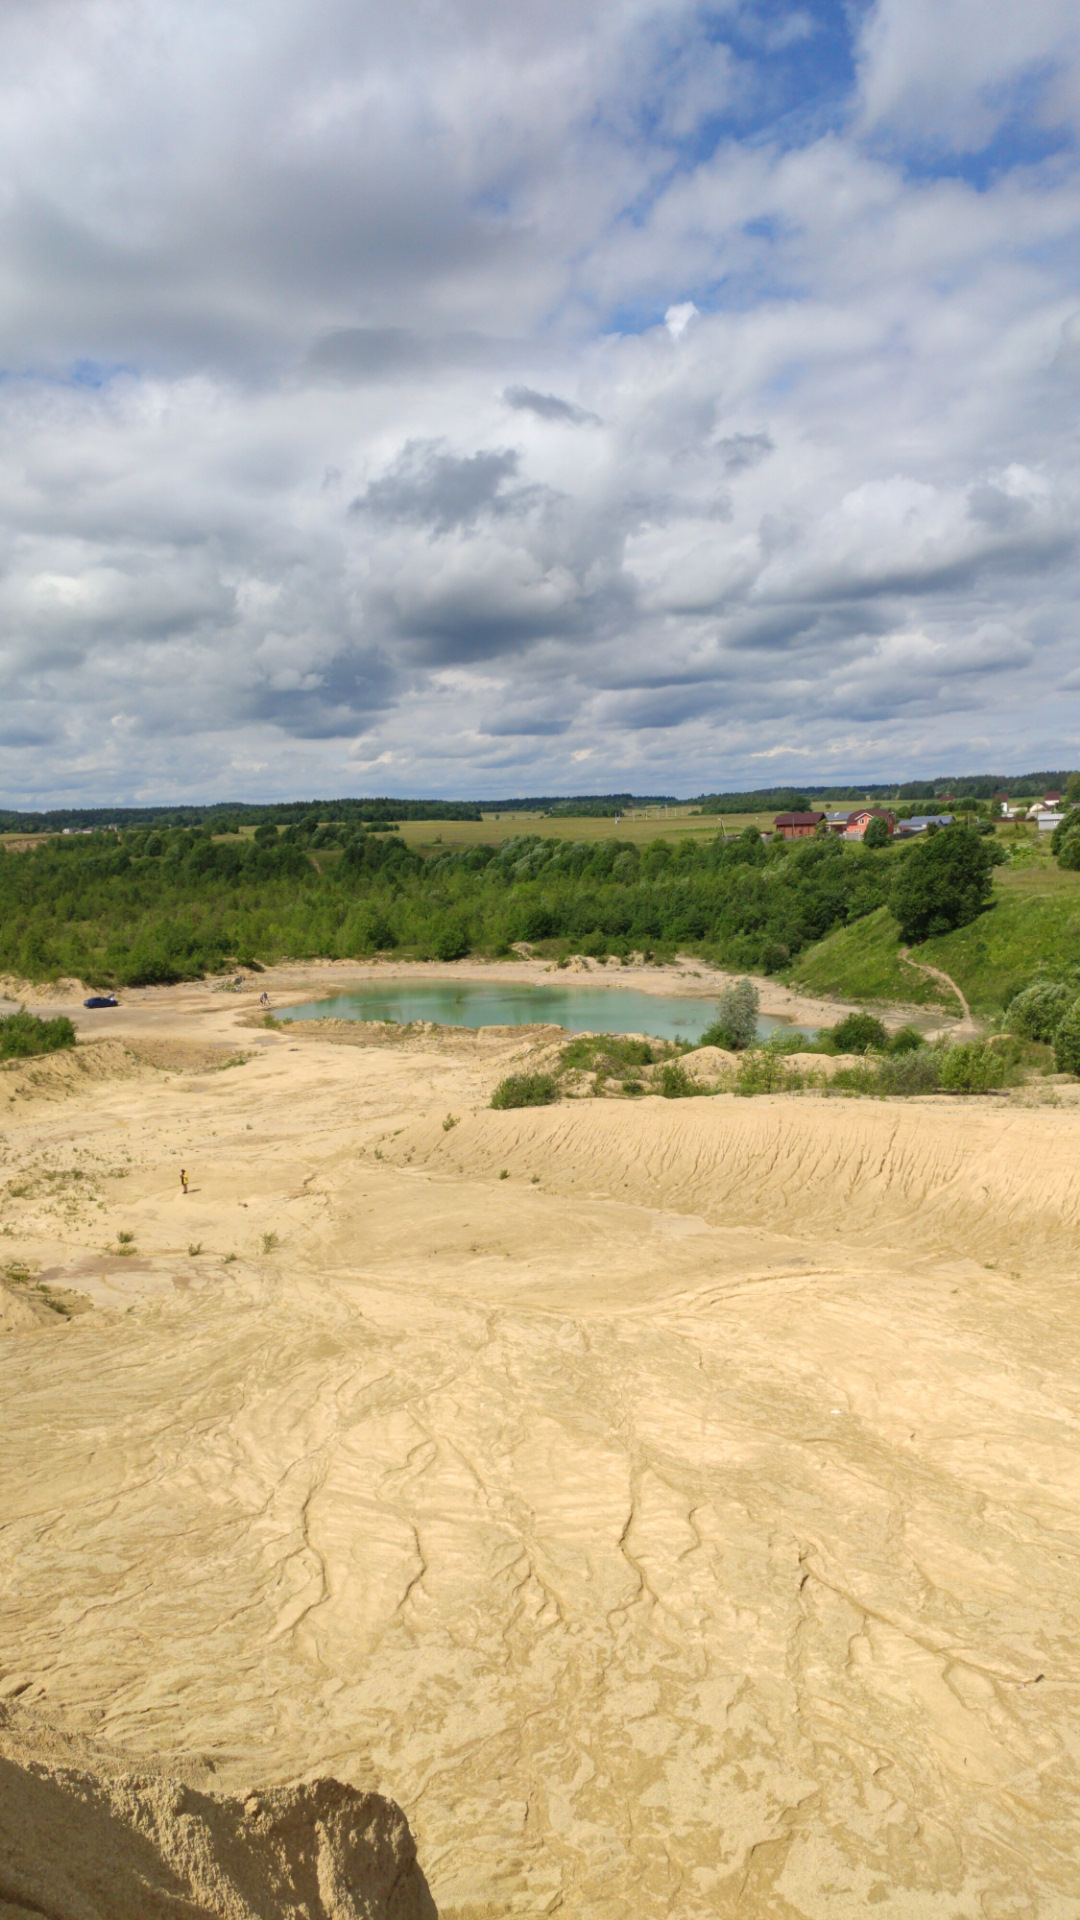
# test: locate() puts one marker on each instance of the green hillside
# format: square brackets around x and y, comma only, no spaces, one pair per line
[1034,922]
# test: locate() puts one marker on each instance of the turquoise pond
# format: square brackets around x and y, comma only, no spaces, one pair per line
[509,1004]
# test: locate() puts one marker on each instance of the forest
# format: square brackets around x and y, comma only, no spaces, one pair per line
[139,908]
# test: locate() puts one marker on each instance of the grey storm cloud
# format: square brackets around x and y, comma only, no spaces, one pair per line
[548,406]
[279,286]
[433,488]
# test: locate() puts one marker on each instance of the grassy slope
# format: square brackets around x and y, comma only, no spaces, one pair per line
[1035,921]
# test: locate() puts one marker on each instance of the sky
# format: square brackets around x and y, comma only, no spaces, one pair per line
[477,399]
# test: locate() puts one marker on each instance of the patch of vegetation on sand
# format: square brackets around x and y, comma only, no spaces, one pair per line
[24,1034]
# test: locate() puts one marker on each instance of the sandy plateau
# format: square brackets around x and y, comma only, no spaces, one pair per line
[674,1506]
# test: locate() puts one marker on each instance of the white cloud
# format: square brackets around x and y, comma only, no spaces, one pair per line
[358,420]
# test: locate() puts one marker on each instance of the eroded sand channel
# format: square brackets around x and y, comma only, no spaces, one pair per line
[685,1524]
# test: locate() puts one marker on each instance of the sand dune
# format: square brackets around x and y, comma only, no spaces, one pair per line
[684,1524]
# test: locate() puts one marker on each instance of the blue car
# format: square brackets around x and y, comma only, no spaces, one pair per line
[101,1000]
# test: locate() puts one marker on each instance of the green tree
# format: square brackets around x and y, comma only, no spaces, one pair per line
[1036,1013]
[1069,854]
[877,833]
[942,883]
[1067,1041]
[735,1025]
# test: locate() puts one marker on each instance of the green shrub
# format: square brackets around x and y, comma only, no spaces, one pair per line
[605,1053]
[452,942]
[763,1071]
[1067,1041]
[525,1090]
[971,1066]
[858,1033]
[917,1071]
[1036,1013]
[675,1082]
[905,1040]
[23,1034]
[877,833]
[1069,856]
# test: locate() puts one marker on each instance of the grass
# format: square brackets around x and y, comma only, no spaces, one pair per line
[862,962]
[1034,923]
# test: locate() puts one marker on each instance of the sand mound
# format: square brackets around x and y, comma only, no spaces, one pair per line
[83,1841]
[890,1173]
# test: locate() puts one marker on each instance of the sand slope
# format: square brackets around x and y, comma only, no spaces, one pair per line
[685,1524]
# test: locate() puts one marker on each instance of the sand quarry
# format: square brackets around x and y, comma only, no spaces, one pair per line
[671,1505]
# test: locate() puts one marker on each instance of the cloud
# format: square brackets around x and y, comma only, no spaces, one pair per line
[269,295]
[548,406]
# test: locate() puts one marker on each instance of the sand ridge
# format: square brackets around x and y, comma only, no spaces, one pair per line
[684,1524]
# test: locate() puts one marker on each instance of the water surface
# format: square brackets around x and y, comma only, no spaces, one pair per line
[475,1003]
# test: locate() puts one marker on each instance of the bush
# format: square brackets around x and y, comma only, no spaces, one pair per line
[525,1090]
[764,1071]
[877,833]
[1069,854]
[858,1033]
[1036,1013]
[736,1017]
[942,882]
[1067,1041]
[914,1072]
[606,1053]
[451,942]
[23,1034]
[675,1082]
[973,1067]
[905,1040]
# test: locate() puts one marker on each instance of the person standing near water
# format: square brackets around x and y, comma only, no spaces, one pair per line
[183,1180]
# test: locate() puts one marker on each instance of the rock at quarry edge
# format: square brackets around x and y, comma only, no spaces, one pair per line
[82,1838]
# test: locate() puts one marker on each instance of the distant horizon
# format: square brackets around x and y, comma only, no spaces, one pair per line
[1024,783]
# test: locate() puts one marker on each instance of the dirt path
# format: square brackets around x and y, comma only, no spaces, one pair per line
[968,1027]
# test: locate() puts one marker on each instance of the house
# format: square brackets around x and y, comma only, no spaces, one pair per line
[919,822]
[1051,799]
[857,823]
[797,826]
[836,822]
[1049,819]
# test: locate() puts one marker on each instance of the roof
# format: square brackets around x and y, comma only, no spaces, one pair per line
[871,813]
[797,819]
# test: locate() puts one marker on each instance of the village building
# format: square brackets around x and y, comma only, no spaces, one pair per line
[797,826]
[857,823]
[906,829]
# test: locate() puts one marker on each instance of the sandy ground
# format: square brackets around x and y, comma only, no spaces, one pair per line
[672,1505]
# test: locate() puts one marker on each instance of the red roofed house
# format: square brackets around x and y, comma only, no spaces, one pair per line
[858,822]
[797,826]
[1051,799]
